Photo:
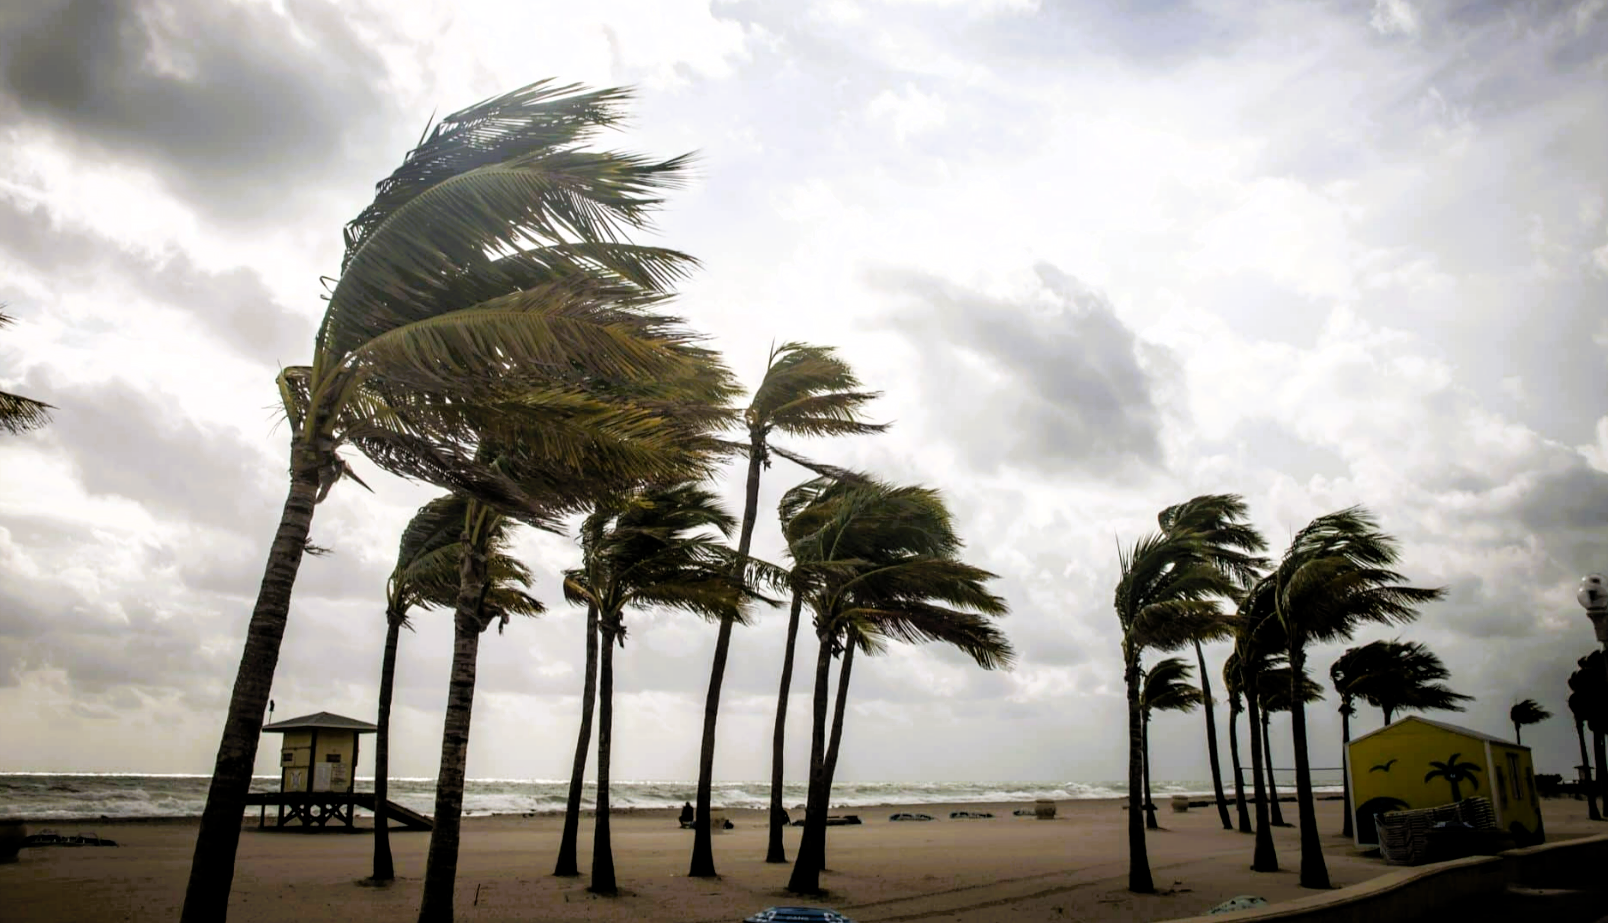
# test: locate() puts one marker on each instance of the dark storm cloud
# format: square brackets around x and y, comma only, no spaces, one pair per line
[1575,498]
[233,305]
[124,442]
[1072,392]
[235,106]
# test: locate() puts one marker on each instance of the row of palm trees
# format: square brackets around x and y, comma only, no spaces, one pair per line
[494,332]
[1201,578]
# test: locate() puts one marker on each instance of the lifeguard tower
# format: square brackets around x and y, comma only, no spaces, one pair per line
[317,772]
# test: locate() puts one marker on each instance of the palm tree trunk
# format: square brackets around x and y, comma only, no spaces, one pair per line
[806,877]
[384,870]
[602,848]
[1347,830]
[441,862]
[1314,872]
[1266,858]
[775,851]
[1272,785]
[703,851]
[1518,735]
[829,765]
[1239,772]
[1600,751]
[567,864]
[1211,739]
[1144,744]
[1585,761]
[1388,712]
[1139,880]
[206,896]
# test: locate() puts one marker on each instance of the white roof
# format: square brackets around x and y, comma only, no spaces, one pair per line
[1465,732]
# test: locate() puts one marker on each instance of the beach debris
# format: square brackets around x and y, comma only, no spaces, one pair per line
[969,815]
[1025,812]
[1242,902]
[906,815]
[797,915]
[52,838]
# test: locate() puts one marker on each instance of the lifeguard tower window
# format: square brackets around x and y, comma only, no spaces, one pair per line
[332,757]
[285,758]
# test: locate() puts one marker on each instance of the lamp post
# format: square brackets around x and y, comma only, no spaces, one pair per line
[1593,596]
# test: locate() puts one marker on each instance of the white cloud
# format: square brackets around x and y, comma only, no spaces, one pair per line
[1392,17]
[907,112]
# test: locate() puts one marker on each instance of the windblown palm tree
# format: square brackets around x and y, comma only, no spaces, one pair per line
[426,574]
[1167,688]
[1590,685]
[1275,698]
[1231,685]
[1165,600]
[20,414]
[1258,641]
[806,391]
[1333,578]
[885,570]
[486,292]
[655,547]
[1455,773]
[1578,710]
[1526,711]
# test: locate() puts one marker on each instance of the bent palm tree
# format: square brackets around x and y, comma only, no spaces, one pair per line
[1527,711]
[806,391]
[1231,685]
[1577,710]
[20,414]
[651,547]
[1334,577]
[885,569]
[426,574]
[1257,639]
[1166,688]
[1455,774]
[1165,599]
[1408,678]
[489,267]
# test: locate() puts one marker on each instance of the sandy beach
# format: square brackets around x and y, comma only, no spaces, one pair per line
[1006,867]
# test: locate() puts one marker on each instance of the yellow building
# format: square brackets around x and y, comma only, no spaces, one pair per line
[1419,763]
[317,768]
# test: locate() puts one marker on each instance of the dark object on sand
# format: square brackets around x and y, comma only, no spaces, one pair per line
[797,915]
[837,820]
[969,815]
[13,836]
[1025,812]
[1233,904]
[686,815]
[905,815]
[52,838]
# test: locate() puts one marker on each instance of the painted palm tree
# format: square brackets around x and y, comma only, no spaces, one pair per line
[885,569]
[805,391]
[486,284]
[661,546]
[1333,578]
[1455,774]
[1166,598]
[426,575]
[1237,541]
[1577,710]
[20,414]
[1231,685]
[1166,688]
[1523,712]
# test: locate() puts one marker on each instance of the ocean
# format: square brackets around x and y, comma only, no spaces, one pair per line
[113,796]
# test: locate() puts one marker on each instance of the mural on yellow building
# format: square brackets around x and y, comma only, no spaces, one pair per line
[1419,763]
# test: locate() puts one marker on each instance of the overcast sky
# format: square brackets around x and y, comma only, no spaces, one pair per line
[1098,256]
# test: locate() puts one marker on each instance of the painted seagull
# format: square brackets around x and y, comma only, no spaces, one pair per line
[1382,767]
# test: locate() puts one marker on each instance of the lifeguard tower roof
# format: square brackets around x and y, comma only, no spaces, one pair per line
[321,719]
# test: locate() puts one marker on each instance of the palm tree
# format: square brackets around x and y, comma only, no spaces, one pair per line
[1589,689]
[1275,698]
[885,570]
[426,574]
[806,391]
[652,547]
[1166,688]
[1455,774]
[1165,599]
[20,414]
[1231,684]
[1258,640]
[1526,711]
[1578,709]
[489,268]
[567,848]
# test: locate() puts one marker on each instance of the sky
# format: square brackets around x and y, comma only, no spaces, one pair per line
[1097,257]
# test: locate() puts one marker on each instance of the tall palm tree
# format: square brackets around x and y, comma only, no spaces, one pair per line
[886,570]
[1166,598]
[1334,577]
[20,414]
[660,546]
[1577,709]
[567,864]
[1275,698]
[1526,711]
[1166,688]
[1587,683]
[1258,638]
[1237,541]
[426,575]
[1231,685]
[805,391]
[490,265]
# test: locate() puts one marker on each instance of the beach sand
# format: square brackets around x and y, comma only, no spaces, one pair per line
[1004,868]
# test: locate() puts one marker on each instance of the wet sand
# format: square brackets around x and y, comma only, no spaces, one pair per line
[1003,868]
